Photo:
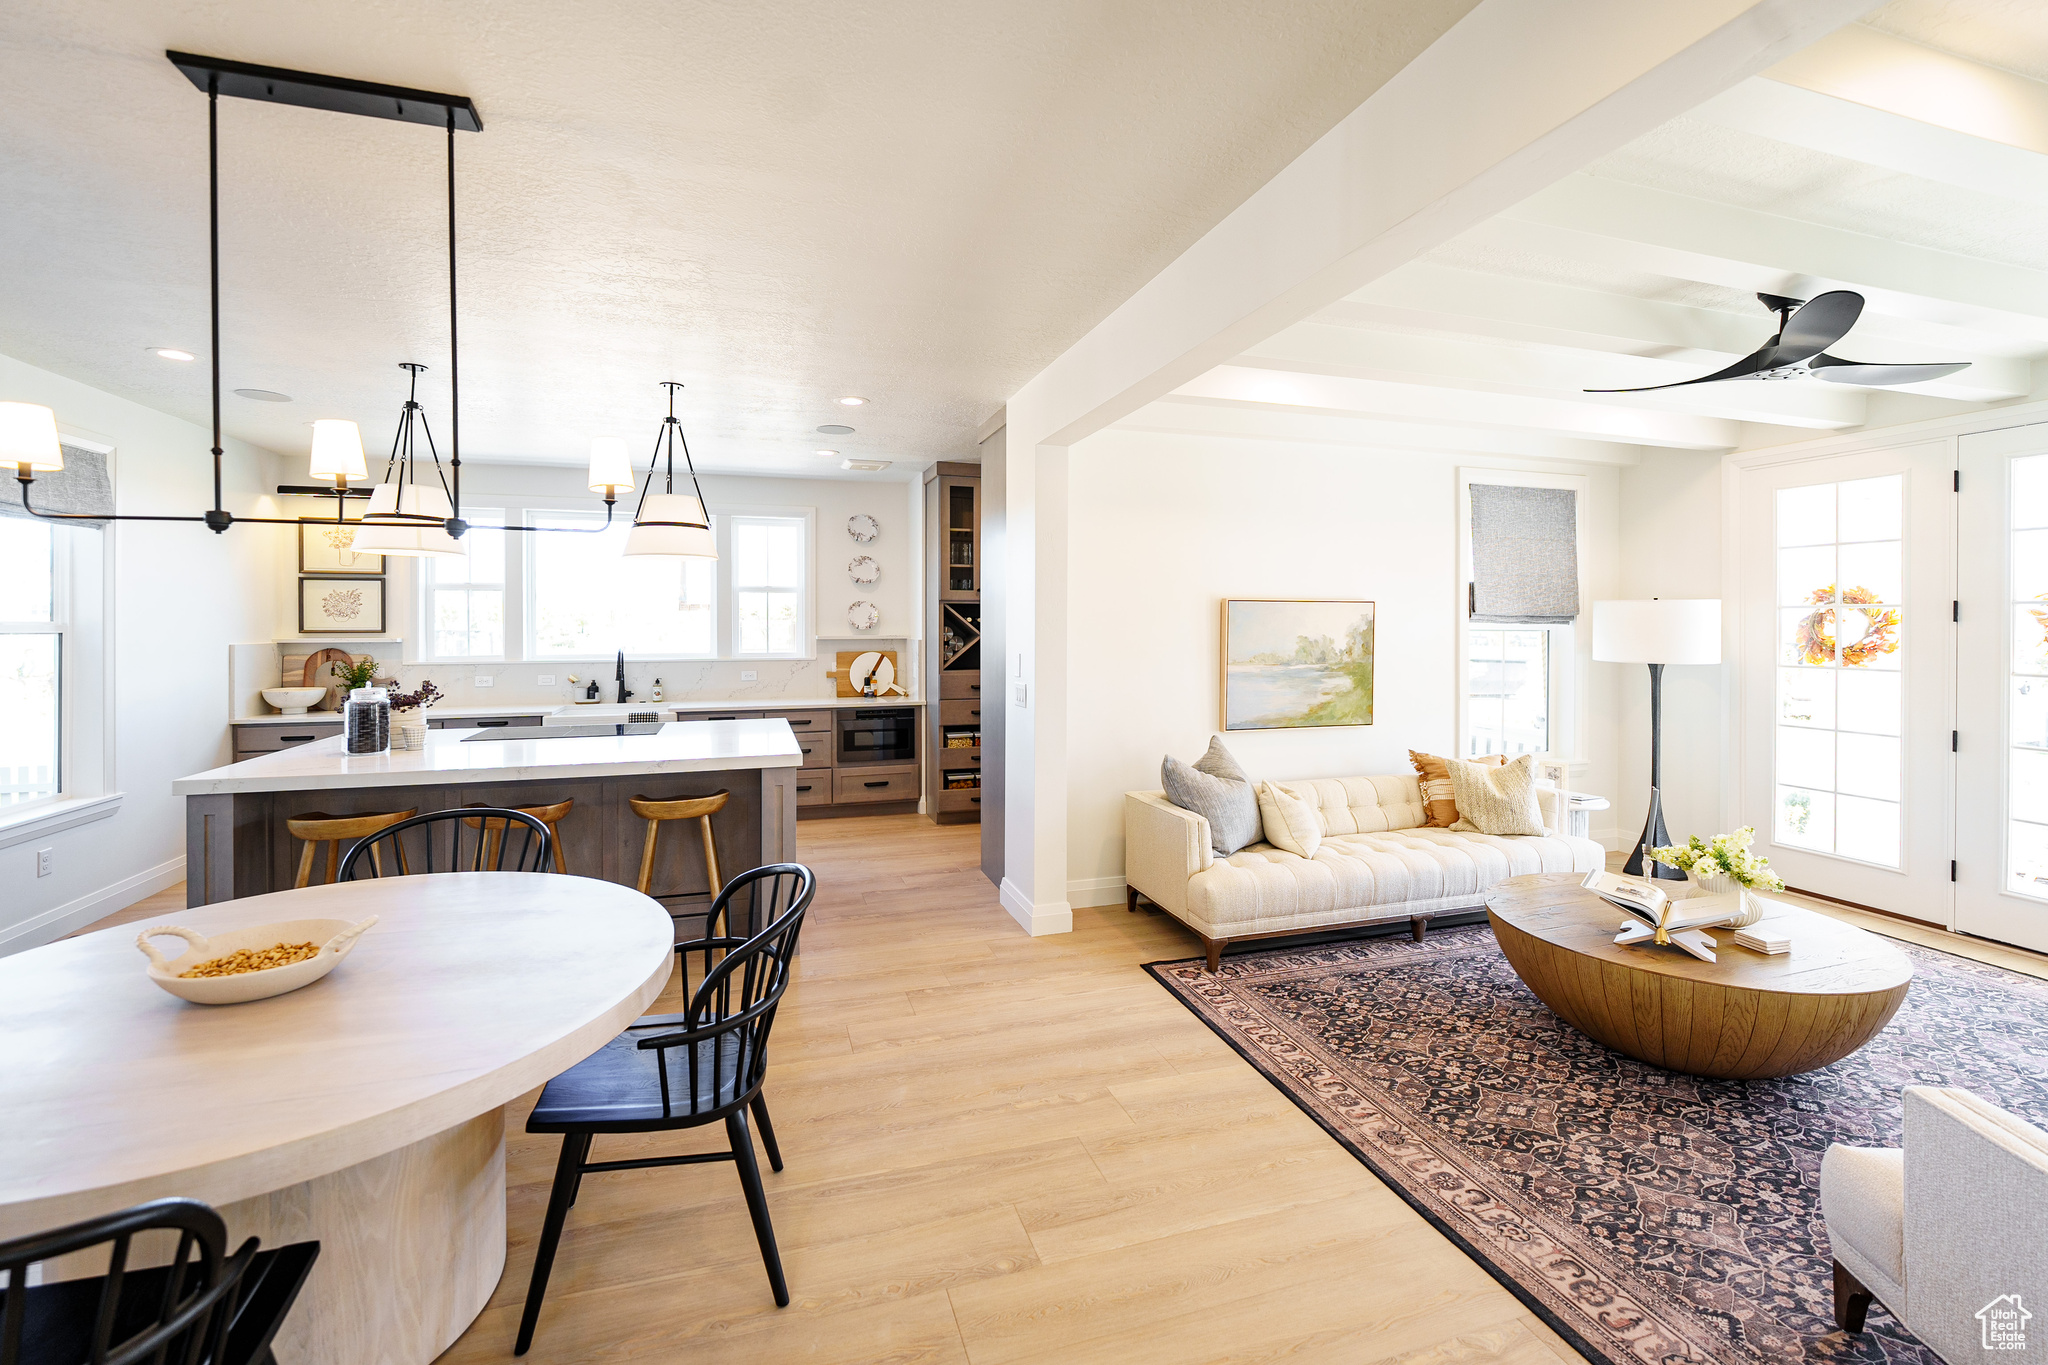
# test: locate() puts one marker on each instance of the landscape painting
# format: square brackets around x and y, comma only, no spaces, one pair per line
[1296,663]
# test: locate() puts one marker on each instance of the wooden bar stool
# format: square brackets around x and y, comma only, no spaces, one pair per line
[551,816]
[332,830]
[698,808]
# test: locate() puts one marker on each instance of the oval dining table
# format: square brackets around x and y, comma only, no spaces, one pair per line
[365,1110]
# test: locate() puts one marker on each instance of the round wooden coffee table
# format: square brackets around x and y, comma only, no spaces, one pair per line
[1744,1017]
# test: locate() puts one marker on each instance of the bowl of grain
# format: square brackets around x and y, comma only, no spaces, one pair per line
[239,965]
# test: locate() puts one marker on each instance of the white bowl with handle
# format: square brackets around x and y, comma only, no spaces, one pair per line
[336,937]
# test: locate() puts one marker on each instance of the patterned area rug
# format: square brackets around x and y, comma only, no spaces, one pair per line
[1649,1217]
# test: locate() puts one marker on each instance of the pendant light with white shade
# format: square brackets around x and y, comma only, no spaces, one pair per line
[406,517]
[28,439]
[668,522]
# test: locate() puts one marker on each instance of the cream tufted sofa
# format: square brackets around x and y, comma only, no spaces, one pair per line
[1377,863]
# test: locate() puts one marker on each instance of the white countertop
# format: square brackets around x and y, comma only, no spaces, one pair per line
[550,708]
[699,746]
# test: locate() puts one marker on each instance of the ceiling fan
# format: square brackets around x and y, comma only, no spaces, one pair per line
[1806,328]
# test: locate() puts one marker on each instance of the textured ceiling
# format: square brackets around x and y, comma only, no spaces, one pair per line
[778,203]
[2011,34]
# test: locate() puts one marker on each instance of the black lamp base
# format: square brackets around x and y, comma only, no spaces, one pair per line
[1654,836]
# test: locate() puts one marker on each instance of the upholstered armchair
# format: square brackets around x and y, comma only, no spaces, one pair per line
[1951,1233]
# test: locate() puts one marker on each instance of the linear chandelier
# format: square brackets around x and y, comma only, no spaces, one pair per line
[404,517]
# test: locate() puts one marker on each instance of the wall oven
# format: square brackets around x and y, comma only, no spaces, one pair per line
[877,734]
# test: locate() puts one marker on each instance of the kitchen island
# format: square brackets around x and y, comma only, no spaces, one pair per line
[236,843]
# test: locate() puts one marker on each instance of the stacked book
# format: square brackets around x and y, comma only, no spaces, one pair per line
[1765,937]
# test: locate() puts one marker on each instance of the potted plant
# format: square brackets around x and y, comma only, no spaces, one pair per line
[410,710]
[1722,865]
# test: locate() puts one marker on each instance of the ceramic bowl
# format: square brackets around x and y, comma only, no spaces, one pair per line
[336,935]
[293,701]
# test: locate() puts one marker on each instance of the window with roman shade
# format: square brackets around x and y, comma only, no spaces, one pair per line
[80,486]
[1525,556]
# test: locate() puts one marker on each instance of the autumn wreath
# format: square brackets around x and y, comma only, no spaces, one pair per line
[1816,632]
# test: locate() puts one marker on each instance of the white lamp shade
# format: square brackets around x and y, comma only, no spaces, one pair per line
[337,451]
[653,533]
[1661,630]
[610,466]
[378,534]
[28,436]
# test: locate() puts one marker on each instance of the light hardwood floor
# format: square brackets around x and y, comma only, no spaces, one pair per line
[998,1150]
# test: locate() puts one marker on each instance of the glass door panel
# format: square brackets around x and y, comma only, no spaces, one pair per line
[1844,762]
[2002,701]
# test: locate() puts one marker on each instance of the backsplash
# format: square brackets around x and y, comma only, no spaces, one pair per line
[518,684]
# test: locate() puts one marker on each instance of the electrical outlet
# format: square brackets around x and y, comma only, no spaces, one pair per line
[1023,694]
[482,681]
[547,680]
[748,675]
[45,860]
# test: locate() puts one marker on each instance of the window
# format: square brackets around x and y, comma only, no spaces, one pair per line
[1520,593]
[1840,577]
[1507,691]
[767,585]
[588,600]
[466,595]
[31,664]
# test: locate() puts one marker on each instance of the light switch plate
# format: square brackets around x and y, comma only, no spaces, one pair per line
[547,680]
[1023,694]
[482,681]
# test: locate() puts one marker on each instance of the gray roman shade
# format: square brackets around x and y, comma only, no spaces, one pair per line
[1525,556]
[80,486]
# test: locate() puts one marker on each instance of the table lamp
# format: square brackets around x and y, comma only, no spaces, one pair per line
[1659,631]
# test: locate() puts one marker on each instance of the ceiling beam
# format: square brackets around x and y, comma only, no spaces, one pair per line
[1201,417]
[1631,227]
[1504,367]
[1341,396]
[1884,138]
[1433,298]
[1514,94]
[1872,68]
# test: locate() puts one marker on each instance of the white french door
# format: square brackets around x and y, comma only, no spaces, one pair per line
[1847,665]
[2002,687]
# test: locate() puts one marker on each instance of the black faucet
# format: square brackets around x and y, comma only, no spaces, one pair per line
[624,695]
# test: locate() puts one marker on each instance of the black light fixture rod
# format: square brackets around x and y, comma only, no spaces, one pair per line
[456,525]
[219,520]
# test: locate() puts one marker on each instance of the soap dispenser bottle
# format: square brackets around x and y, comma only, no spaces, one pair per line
[657,689]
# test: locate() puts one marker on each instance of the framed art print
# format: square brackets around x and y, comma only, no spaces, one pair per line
[1296,662]
[330,549]
[341,606]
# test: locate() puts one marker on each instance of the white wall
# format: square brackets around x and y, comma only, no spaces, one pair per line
[1162,528]
[1671,547]
[181,595]
[897,504]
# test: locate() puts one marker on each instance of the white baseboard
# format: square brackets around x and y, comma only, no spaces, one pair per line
[1037,919]
[73,915]
[1092,891]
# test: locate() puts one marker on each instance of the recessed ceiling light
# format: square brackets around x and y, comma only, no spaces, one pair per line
[865,466]
[832,429]
[851,402]
[171,353]
[829,454]
[264,395]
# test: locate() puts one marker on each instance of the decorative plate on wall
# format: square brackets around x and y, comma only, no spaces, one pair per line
[864,569]
[863,527]
[863,616]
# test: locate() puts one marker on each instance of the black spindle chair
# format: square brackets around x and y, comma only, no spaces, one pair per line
[469,839]
[684,1070]
[204,1307]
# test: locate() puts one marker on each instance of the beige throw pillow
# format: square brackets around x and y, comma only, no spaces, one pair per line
[1497,800]
[1292,823]
[1441,811]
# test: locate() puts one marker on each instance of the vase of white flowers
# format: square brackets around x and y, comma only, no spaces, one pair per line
[1722,865]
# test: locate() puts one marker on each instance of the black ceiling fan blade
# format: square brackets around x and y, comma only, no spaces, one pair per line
[1744,368]
[1836,370]
[1817,324]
